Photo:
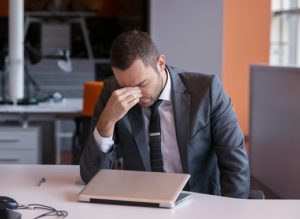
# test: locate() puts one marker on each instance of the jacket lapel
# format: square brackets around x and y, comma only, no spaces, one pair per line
[138,126]
[181,105]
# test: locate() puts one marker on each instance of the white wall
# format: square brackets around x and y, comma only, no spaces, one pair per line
[189,33]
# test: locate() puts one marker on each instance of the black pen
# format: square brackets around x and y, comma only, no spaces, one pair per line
[42,181]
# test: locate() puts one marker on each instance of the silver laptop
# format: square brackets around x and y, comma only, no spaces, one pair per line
[152,189]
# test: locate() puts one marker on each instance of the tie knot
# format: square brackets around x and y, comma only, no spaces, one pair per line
[155,105]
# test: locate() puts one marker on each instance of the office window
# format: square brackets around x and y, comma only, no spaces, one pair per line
[285,32]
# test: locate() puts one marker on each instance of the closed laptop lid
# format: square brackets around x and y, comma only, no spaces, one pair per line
[134,188]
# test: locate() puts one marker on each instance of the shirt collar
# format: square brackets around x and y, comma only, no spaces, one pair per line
[166,93]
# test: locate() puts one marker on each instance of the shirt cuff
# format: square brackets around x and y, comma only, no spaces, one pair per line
[103,143]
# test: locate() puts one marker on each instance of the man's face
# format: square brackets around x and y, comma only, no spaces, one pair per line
[150,81]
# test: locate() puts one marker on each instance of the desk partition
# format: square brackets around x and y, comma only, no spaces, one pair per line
[275,128]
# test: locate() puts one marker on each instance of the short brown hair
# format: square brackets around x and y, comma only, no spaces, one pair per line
[132,45]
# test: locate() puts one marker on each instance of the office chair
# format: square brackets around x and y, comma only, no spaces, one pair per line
[91,92]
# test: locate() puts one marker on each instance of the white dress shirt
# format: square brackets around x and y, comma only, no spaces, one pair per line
[169,146]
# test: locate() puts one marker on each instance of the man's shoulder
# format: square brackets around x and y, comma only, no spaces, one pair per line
[192,79]
[190,74]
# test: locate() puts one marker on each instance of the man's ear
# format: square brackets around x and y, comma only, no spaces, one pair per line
[161,63]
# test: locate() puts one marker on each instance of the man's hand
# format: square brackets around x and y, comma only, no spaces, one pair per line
[120,102]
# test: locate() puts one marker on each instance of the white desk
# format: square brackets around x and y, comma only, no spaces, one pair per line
[63,184]
[68,109]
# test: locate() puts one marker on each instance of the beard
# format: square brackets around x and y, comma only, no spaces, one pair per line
[147,101]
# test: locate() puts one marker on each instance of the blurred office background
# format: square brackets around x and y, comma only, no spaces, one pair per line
[237,40]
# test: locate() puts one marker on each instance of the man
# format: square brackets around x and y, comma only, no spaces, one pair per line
[199,133]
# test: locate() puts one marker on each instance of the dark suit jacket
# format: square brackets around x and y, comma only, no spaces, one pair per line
[210,141]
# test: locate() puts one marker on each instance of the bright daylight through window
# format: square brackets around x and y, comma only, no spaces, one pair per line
[285,32]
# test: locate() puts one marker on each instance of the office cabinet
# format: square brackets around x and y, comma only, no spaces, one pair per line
[19,145]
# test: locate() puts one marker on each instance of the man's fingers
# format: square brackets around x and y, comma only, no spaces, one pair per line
[120,102]
[126,94]
[131,96]
[132,103]
[129,101]
[125,90]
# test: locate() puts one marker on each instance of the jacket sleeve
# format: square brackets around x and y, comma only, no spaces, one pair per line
[228,141]
[92,158]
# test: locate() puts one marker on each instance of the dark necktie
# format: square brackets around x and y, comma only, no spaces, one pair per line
[155,139]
